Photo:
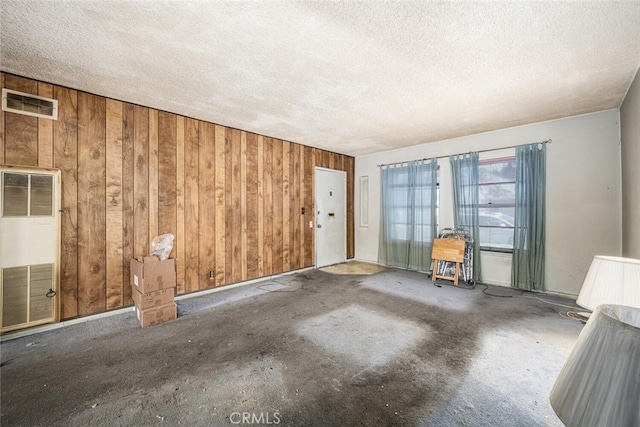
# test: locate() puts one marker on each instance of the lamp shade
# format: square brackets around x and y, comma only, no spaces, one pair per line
[599,384]
[611,280]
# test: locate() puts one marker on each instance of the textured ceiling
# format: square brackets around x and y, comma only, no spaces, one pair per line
[351,77]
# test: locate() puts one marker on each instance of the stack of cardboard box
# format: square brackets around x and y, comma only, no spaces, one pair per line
[153,284]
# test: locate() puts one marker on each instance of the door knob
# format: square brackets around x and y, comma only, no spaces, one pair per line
[319,226]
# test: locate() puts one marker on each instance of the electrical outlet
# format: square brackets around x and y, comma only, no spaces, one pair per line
[212,275]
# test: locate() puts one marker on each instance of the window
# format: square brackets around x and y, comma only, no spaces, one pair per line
[496,203]
[408,201]
[401,220]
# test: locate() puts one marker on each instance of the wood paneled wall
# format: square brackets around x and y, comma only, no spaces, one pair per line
[233,199]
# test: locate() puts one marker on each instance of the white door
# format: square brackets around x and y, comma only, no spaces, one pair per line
[29,246]
[331,217]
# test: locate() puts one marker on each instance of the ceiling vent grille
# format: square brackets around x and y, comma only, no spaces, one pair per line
[31,105]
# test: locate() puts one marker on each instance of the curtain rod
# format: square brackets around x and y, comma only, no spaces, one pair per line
[546,141]
[404,161]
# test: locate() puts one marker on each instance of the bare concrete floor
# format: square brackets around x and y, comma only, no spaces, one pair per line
[312,349]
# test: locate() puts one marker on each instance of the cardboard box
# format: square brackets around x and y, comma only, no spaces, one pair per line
[149,274]
[155,315]
[152,299]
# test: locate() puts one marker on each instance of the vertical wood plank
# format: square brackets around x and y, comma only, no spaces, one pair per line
[267,196]
[236,209]
[114,226]
[65,137]
[304,218]
[167,179]
[220,204]
[341,163]
[309,198]
[128,197]
[350,209]
[296,215]
[21,132]
[206,204]
[277,206]
[91,204]
[252,206]
[153,176]
[180,217]
[260,249]
[141,182]
[45,131]
[336,162]
[286,206]
[191,205]
[243,206]
[2,135]
[229,214]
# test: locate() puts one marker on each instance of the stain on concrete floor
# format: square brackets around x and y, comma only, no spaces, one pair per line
[387,349]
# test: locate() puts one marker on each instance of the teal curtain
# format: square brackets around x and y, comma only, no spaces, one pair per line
[408,200]
[464,174]
[527,269]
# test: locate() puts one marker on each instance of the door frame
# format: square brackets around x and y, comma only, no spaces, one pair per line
[315,213]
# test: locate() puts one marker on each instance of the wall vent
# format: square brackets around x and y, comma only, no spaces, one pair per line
[31,105]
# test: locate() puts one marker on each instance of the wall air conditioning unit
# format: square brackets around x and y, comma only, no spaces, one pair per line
[29,247]
[30,105]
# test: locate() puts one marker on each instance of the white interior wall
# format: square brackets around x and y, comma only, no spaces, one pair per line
[630,135]
[583,193]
